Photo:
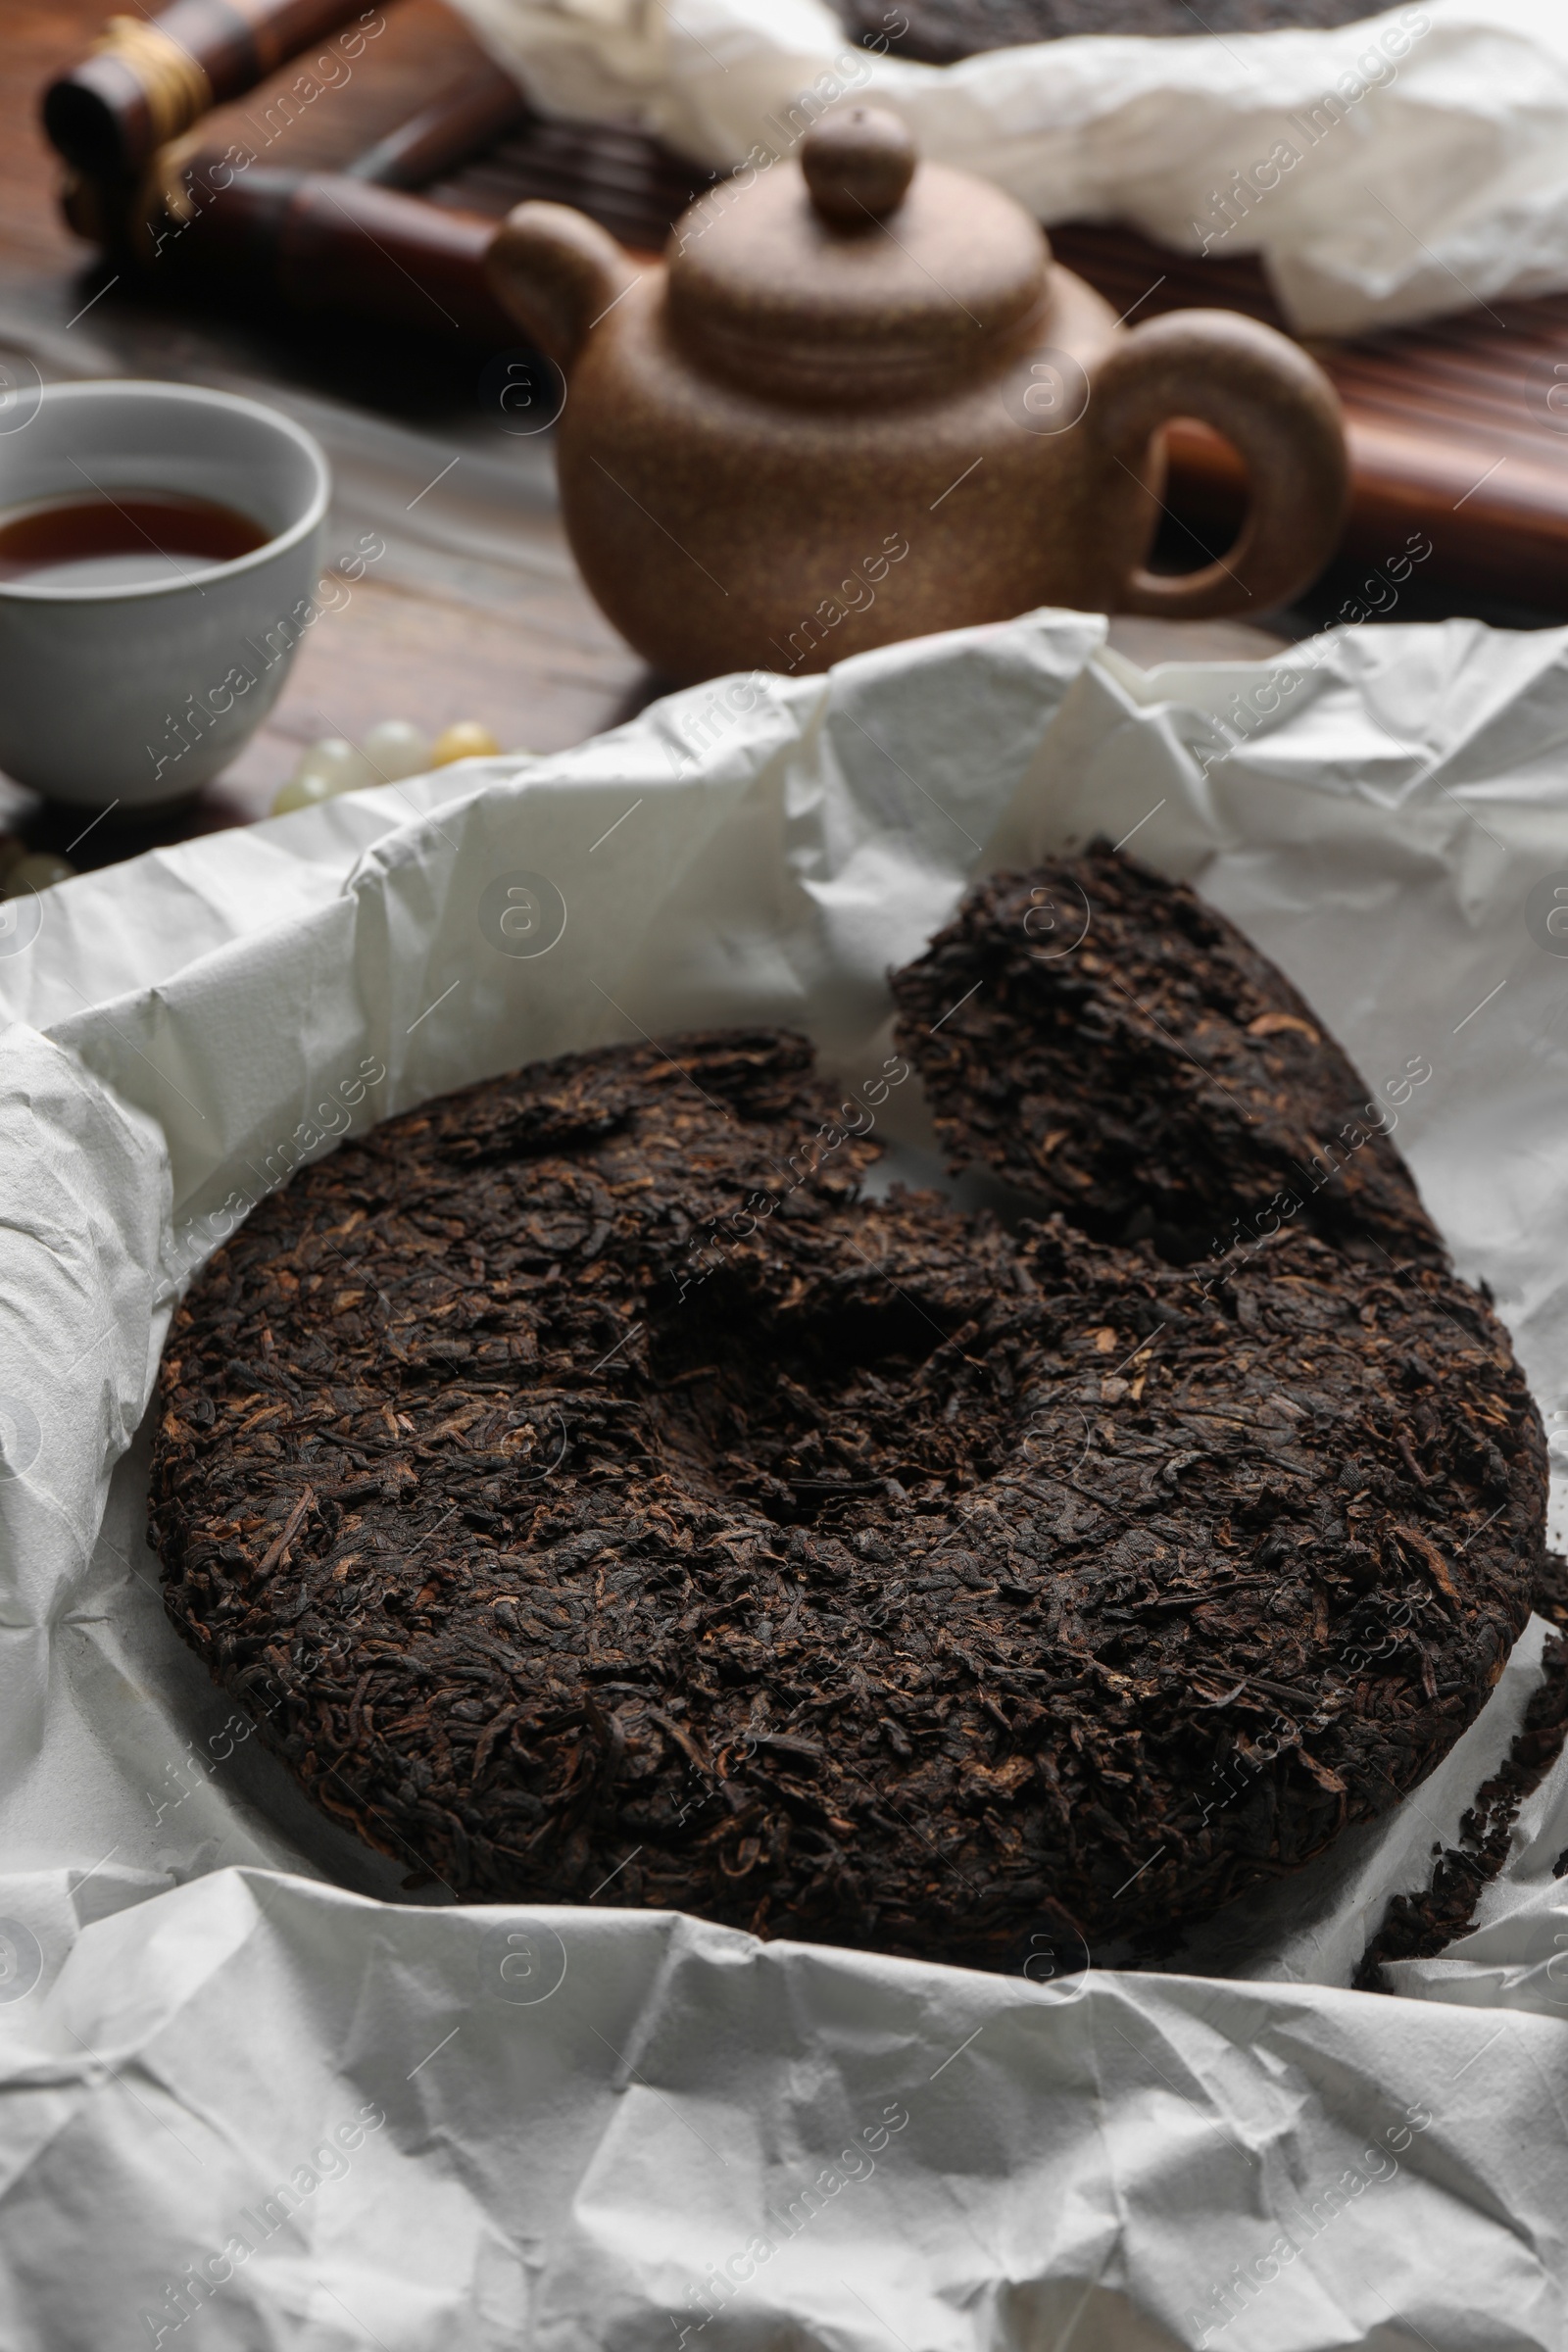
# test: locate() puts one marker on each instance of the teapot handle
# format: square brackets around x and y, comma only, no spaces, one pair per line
[1280,412]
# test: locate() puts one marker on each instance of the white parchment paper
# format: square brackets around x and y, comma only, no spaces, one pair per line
[1388,170]
[253,2094]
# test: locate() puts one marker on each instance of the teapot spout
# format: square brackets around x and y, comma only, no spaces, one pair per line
[557,273]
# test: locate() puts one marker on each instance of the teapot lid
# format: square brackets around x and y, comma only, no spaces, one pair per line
[857,269]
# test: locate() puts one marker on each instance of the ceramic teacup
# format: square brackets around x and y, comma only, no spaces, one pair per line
[140,691]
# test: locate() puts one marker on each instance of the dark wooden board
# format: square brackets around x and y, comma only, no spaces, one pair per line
[1454,428]
[1432,411]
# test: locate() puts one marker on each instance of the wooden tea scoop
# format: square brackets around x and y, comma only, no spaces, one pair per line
[327,241]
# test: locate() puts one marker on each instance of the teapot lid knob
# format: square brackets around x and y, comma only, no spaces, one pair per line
[858,163]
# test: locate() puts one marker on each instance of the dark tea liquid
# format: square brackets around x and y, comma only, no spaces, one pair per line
[120,539]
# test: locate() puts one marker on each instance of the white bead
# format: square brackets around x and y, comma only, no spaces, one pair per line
[336,764]
[302,791]
[397,749]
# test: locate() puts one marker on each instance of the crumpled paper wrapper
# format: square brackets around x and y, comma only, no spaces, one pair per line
[1389,170]
[254,2094]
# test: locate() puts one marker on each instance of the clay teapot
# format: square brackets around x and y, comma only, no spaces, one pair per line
[860,402]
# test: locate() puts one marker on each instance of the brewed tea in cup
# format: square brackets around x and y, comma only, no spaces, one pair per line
[159,546]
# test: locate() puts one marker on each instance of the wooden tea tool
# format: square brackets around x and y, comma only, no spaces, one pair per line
[148,80]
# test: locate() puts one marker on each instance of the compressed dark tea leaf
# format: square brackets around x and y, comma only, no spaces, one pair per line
[1117,1049]
[598,1500]
[941,31]
[1416,1925]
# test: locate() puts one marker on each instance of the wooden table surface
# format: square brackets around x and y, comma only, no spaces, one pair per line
[432,634]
